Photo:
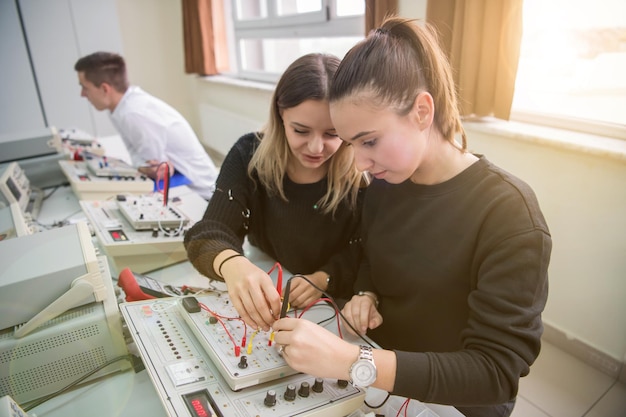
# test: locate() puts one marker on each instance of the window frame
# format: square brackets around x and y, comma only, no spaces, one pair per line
[562,121]
[305,25]
[593,127]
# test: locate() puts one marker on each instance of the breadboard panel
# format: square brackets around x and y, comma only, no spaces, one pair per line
[110,167]
[255,350]
[88,186]
[189,384]
[139,250]
[147,212]
[142,250]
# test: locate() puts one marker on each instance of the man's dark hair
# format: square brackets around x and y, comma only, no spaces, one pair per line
[104,67]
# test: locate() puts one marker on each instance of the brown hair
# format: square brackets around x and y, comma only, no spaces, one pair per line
[104,67]
[307,78]
[395,63]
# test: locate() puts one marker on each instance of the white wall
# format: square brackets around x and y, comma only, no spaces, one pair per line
[582,195]
[40,46]
[583,198]
[152,37]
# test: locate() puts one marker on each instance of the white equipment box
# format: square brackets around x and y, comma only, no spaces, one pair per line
[59,317]
[139,233]
[191,383]
[88,183]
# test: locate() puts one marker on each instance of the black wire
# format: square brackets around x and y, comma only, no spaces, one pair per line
[379,405]
[319,306]
[47,196]
[331,299]
[79,380]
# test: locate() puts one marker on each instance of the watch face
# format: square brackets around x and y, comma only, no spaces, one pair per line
[363,373]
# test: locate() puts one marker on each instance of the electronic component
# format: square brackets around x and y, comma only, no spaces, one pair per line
[15,188]
[38,153]
[189,383]
[36,143]
[51,338]
[137,286]
[147,212]
[80,144]
[63,255]
[143,250]
[225,340]
[104,166]
[216,336]
[89,186]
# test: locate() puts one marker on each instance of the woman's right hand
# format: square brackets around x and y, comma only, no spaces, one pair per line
[362,314]
[252,292]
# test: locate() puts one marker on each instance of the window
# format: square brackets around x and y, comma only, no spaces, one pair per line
[267,35]
[572,68]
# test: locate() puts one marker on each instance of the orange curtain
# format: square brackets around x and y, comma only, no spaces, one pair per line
[482,39]
[204,37]
[376,11]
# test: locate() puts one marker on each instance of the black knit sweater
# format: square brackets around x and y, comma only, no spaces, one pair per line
[461,271]
[294,232]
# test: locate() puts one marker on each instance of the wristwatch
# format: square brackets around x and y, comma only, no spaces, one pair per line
[363,371]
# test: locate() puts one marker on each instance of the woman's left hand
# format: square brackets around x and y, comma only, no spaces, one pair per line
[311,349]
[302,293]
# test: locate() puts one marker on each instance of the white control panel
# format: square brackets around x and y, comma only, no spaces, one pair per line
[139,248]
[243,358]
[104,166]
[89,186]
[151,213]
[189,383]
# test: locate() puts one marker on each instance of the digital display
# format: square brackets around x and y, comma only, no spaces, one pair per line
[13,188]
[199,404]
[118,235]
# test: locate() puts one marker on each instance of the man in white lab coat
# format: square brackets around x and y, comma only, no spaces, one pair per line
[152,130]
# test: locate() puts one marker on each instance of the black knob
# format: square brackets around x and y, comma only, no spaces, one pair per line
[243,362]
[212,320]
[342,383]
[270,398]
[304,390]
[290,392]
[318,385]
[155,232]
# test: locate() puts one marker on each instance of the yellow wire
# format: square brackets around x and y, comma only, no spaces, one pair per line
[251,339]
